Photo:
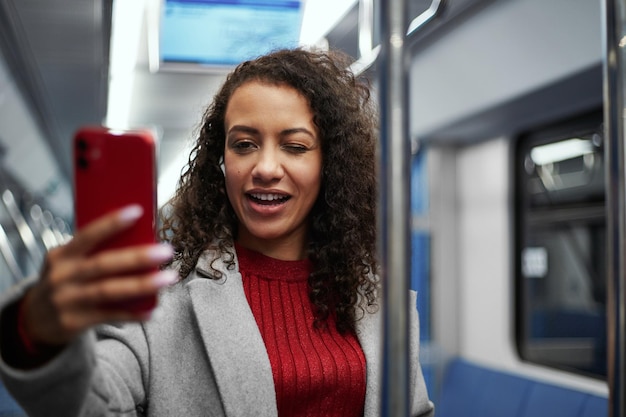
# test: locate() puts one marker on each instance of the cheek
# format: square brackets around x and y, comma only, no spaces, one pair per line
[231,179]
[232,193]
[314,180]
[235,182]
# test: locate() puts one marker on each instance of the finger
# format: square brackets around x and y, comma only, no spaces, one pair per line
[102,229]
[112,290]
[110,263]
[57,318]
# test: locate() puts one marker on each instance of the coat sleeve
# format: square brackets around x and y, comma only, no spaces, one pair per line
[420,405]
[83,379]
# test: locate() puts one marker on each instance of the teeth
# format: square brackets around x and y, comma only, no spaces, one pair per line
[268,197]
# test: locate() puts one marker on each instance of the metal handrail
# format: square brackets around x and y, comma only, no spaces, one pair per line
[395,223]
[42,221]
[23,229]
[9,257]
[369,54]
[394,209]
[614,105]
[425,17]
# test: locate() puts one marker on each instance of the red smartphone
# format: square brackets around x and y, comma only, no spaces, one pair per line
[113,169]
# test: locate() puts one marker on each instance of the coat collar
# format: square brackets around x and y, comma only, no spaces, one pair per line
[236,349]
[234,344]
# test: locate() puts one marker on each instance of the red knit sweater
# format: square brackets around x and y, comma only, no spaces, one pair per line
[317,372]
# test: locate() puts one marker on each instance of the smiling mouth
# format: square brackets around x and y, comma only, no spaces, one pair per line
[268,199]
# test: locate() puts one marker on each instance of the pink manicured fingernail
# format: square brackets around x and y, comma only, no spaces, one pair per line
[164,278]
[161,253]
[131,213]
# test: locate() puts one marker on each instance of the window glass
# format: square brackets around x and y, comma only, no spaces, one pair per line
[561,246]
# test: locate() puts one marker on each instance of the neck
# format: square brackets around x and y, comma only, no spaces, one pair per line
[283,249]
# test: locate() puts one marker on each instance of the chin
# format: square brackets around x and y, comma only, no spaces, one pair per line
[266,234]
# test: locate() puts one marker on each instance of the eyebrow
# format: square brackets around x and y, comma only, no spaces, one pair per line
[243,129]
[286,132]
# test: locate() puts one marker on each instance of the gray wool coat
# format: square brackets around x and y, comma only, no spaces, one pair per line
[200,355]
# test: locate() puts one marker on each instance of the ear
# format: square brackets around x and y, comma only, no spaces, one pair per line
[222,166]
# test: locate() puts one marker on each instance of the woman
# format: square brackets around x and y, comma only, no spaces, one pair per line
[273,234]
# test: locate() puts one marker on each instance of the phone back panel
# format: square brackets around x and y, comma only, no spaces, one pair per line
[111,170]
[114,169]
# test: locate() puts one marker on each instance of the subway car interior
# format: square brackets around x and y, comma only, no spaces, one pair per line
[506,114]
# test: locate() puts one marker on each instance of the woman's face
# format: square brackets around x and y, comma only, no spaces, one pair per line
[273,166]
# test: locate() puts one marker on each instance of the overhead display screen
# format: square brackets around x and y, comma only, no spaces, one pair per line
[223,33]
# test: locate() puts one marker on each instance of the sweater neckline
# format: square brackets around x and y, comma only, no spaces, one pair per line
[253,263]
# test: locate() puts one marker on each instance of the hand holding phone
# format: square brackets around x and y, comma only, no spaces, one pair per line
[80,287]
[114,169]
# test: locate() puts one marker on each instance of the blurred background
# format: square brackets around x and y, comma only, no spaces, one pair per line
[506,124]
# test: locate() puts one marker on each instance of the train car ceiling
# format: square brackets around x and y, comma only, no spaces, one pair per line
[54,67]
[510,65]
[487,68]
[475,72]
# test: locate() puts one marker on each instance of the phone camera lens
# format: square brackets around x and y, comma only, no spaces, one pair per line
[81,144]
[82,163]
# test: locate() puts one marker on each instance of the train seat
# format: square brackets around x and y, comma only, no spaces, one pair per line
[469,390]
[8,406]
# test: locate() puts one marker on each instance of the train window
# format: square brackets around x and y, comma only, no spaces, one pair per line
[560,248]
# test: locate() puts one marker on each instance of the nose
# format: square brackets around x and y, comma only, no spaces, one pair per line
[268,165]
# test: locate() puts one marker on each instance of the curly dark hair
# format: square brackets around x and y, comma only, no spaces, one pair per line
[342,244]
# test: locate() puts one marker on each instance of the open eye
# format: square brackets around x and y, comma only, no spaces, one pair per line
[243,146]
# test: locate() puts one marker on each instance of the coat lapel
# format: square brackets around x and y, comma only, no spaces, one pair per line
[368,331]
[233,342]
